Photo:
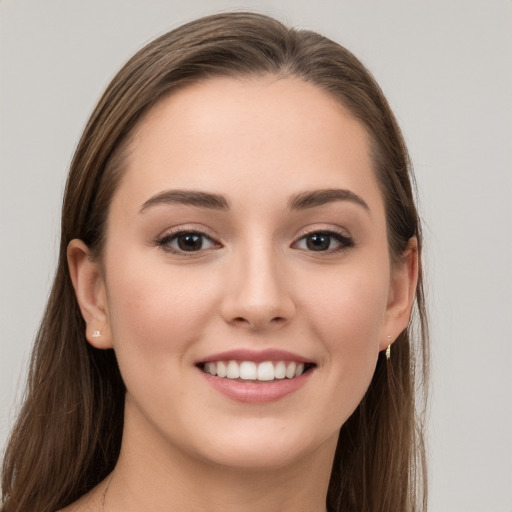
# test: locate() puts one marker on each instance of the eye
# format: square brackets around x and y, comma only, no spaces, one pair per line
[324,241]
[186,241]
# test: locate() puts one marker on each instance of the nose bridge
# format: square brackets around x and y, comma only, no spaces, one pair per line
[258,293]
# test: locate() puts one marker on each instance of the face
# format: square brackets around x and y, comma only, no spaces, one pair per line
[247,236]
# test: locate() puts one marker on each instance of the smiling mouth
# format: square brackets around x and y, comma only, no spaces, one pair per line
[256,372]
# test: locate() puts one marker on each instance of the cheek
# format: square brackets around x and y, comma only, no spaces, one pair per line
[156,311]
[347,312]
[348,307]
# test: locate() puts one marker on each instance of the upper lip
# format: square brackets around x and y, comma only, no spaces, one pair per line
[257,356]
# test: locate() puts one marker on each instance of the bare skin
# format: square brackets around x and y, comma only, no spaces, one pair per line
[274,264]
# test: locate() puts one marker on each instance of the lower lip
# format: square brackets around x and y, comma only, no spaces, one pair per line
[252,392]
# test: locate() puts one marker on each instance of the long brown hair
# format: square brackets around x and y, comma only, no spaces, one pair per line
[68,434]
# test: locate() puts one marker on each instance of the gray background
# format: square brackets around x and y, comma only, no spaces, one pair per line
[446,69]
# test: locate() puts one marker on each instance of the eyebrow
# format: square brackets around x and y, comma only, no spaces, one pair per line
[301,201]
[187,197]
[311,199]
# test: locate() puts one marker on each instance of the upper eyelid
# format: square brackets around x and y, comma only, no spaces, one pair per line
[170,232]
[330,231]
[163,242]
[172,236]
[204,231]
[345,240]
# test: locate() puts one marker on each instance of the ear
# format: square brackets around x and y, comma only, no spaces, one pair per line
[91,294]
[401,294]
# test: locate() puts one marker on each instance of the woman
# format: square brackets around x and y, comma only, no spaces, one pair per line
[229,323]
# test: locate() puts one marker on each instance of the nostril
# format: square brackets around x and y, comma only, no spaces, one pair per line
[258,322]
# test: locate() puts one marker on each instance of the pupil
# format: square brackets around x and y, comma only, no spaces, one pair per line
[190,242]
[318,242]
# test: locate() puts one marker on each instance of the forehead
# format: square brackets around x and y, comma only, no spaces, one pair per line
[248,137]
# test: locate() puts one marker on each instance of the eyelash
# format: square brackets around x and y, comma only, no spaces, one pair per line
[164,241]
[346,242]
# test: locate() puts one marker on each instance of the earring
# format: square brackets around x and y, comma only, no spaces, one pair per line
[96,334]
[388,350]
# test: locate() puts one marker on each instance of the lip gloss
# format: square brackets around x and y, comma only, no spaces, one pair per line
[252,392]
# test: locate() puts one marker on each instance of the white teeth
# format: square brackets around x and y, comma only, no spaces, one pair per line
[222,371]
[249,370]
[290,370]
[233,371]
[280,370]
[266,371]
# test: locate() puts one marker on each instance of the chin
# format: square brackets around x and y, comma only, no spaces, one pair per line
[258,448]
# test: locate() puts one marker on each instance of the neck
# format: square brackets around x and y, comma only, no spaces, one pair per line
[153,475]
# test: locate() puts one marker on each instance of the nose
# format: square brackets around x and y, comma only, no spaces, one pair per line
[257,293]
